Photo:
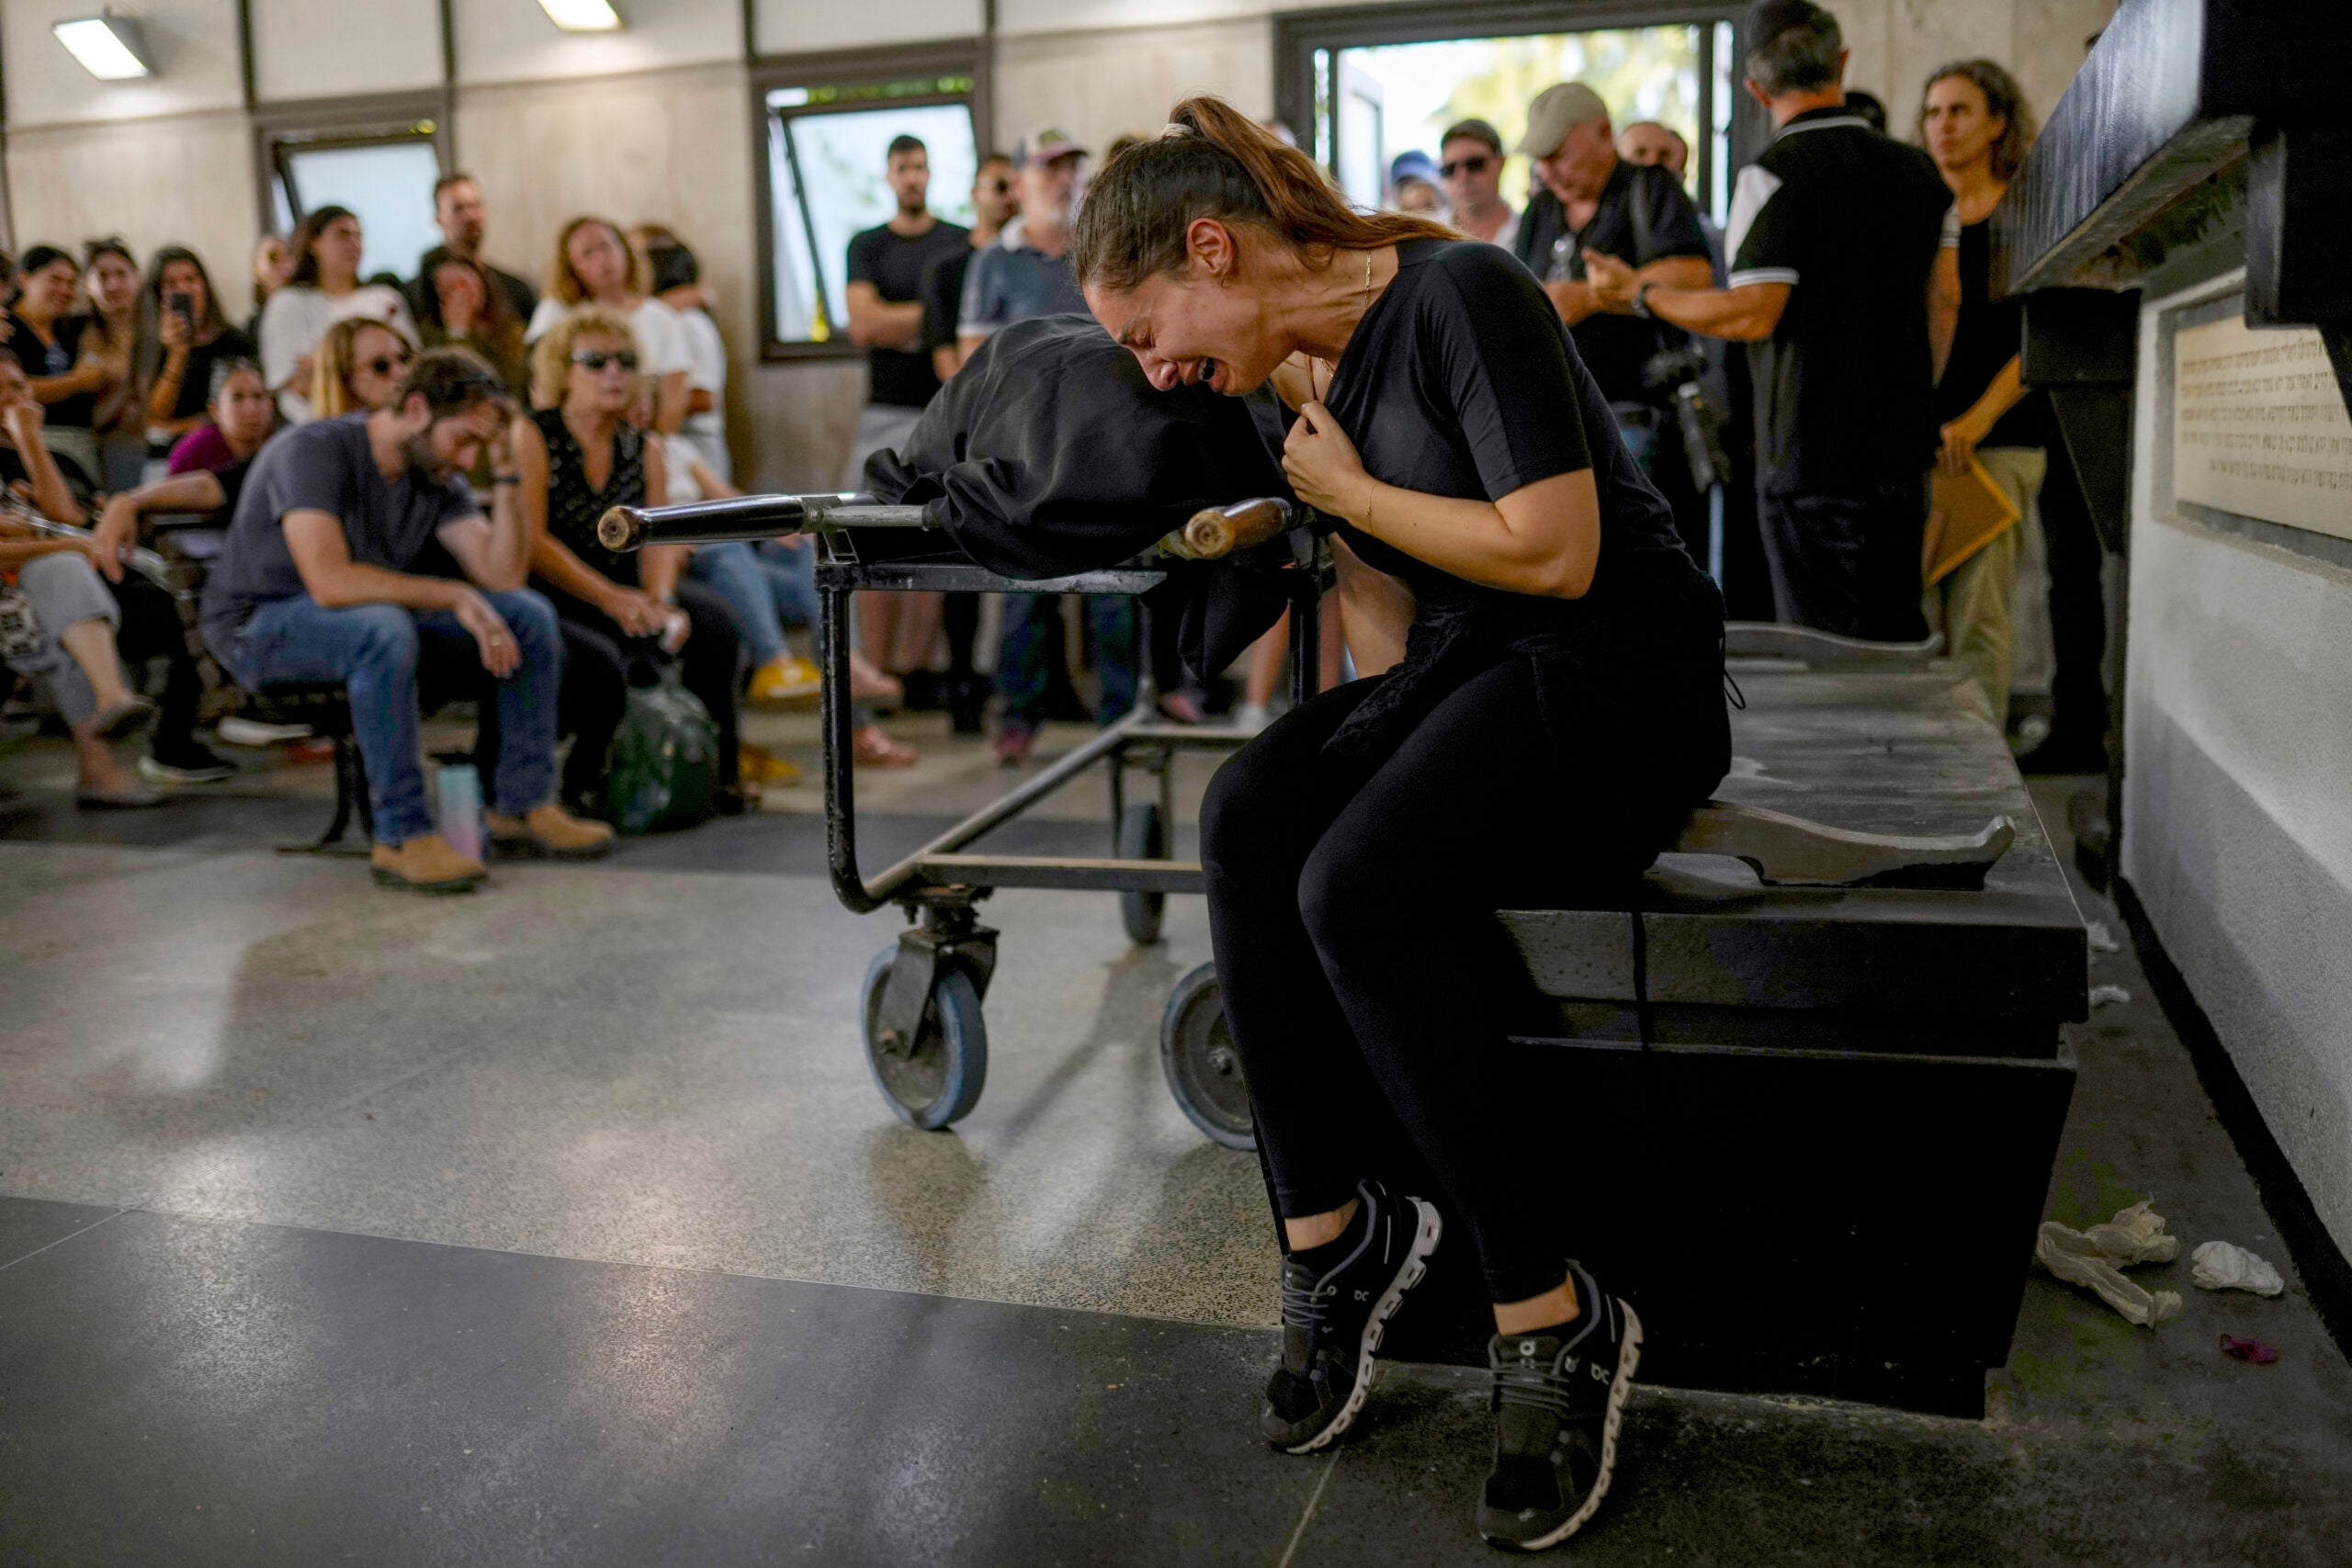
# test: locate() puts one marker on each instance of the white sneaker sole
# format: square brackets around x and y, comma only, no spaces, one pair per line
[1629,1356]
[1427,1228]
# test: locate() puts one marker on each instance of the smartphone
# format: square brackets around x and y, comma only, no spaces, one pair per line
[181,305]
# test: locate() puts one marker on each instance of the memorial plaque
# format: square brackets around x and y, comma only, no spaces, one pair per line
[2259,427]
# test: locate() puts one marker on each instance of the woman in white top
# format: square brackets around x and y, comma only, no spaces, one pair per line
[593,264]
[326,289]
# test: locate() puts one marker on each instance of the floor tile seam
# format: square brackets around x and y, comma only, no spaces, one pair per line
[198,1218]
[1307,1514]
[61,1241]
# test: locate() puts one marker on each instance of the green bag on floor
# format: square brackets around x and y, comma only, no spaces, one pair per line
[665,758]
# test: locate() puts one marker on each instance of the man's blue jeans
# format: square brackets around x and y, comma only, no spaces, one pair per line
[736,574]
[1031,620]
[379,652]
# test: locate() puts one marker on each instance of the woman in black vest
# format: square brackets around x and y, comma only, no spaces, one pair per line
[1543,708]
[578,457]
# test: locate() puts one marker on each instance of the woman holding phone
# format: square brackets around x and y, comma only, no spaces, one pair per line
[1547,709]
[189,335]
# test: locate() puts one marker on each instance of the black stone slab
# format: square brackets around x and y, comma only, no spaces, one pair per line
[32,1224]
[190,1393]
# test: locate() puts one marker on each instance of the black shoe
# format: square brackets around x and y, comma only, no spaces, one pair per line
[968,704]
[1332,1322]
[1558,1399]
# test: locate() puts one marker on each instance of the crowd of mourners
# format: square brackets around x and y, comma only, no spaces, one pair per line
[405,477]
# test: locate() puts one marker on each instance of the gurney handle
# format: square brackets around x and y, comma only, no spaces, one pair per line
[1215,532]
[626,529]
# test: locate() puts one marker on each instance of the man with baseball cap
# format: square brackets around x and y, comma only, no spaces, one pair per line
[1845,284]
[1026,273]
[1590,202]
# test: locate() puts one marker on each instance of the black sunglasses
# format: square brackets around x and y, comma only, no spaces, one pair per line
[1476,165]
[385,363]
[597,359]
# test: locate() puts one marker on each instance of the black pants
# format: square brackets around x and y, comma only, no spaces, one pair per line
[152,628]
[1352,906]
[596,659]
[1848,564]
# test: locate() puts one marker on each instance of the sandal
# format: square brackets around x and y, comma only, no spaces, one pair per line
[871,748]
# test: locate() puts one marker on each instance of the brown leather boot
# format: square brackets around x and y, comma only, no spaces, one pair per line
[548,830]
[429,865]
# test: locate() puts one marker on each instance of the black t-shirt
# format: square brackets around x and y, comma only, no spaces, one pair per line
[942,298]
[1461,382]
[1989,335]
[1616,348]
[895,265]
[1844,386]
[196,383]
[41,359]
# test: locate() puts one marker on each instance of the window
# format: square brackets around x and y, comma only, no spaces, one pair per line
[377,157]
[826,149]
[1362,87]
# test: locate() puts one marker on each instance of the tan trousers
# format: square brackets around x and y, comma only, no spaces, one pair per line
[1973,604]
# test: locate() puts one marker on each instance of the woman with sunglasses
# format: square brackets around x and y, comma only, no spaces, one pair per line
[357,363]
[1542,721]
[579,457]
[594,265]
[326,288]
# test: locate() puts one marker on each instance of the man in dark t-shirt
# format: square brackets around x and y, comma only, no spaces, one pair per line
[1845,285]
[993,202]
[317,583]
[885,299]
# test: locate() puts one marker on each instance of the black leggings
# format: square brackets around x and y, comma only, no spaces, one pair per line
[596,659]
[152,628]
[1353,911]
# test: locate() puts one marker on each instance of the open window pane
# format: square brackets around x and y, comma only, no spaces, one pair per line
[826,174]
[388,184]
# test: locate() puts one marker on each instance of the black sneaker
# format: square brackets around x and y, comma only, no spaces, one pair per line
[1333,1323]
[1558,1399]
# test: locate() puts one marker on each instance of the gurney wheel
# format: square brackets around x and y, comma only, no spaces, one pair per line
[1203,1069]
[939,1079]
[1143,835]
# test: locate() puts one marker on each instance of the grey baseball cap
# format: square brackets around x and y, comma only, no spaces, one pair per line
[1554,111]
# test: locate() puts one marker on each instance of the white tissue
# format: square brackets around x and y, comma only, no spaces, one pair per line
[2220,1266]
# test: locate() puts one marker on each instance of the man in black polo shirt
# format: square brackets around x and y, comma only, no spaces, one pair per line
[1845,284]
[1588,201]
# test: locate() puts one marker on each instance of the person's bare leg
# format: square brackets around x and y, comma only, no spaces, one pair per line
[918,632]
[878,625]
[1316,1230]
[1538,1311]
[1266,662]
[98,772]
[91,643]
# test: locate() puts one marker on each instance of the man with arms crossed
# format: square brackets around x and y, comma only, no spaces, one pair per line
[1845,285]
[315,582]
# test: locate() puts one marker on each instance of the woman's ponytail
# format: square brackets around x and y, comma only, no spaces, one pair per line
[1214,162]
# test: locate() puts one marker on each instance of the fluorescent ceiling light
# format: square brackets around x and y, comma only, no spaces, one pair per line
[108,47]
[581,16]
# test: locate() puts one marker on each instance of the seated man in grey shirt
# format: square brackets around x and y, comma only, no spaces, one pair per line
[318,582]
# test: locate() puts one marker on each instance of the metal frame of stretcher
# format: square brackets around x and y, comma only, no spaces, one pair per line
[921,1006]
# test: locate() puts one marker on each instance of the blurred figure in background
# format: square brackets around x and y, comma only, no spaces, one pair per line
[1470,161]
[240,415]
[118,418]
[1978,127]
[470,309]
[45,338]
[324,289]
[1866,105]
[272,269]
[186,335]
[1414,185]
[1645,143]
[458,213]
[593,265]
[357,364]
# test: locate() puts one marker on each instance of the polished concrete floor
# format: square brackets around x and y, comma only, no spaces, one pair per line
[561,1222]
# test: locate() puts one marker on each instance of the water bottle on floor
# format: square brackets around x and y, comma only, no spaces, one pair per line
[459,787]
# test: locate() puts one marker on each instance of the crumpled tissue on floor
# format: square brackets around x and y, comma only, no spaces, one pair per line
[2096,1258]
[2222,1266]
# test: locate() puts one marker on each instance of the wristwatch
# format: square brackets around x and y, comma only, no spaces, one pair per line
[1641,302]
[506,478]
